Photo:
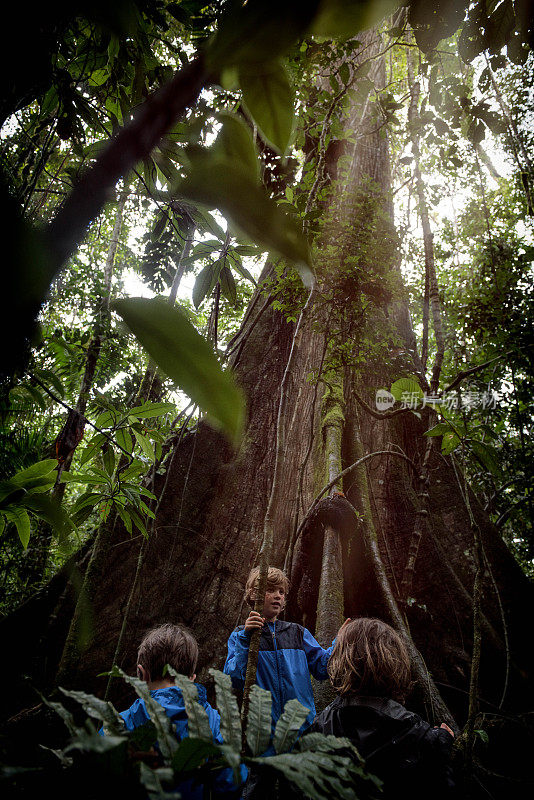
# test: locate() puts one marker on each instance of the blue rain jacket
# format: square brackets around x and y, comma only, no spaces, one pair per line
[172,701]
[288,654]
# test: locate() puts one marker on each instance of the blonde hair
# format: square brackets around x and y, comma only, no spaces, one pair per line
[369,658]
[275,577]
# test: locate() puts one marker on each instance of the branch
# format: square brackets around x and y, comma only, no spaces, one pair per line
[131,144]
[69,408]
[504,516]
[379,414]
[346,471]
[471,371]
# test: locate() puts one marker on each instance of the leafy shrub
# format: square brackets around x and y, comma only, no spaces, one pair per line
[125,763]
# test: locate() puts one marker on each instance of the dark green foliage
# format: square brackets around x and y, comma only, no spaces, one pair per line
[320,766]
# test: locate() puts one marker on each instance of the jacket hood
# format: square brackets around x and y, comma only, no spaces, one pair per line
[369,721]
[171,698]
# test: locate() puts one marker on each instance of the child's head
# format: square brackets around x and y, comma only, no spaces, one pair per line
[276,580]
[370,659]
[167,644]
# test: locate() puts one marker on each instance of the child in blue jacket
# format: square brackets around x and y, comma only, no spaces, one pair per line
[176,646]
[288,652]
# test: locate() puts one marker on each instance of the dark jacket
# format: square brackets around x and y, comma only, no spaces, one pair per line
[405,752]
[288,653]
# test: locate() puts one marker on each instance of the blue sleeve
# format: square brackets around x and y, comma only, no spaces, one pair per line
[224,782]
[316,656]
[214,719]
[236,661]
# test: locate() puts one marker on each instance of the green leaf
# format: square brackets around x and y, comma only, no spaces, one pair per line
[320,774]
[10,492]
[83,477]
[476,131]
[228,709]
[197,718]
[233,759]
[410,385]
[438,430]
[344,72]
[124,439]
[247,249]
[235,143]
[186,358]
[259,31]
[258,730]
[191,754]
[159,227]
[134,470]
[344,18]
[92,448]
[146,445]
[144,736]
[237,266]
[206,223]
[65,715]
[51,377]
[449,443]
[149,410]
[31,485]
[50,510]
[228,286]
[99,77]
[109,418]
[224,184]
[320,743]
[98,709]
[114,749]
[37,470]
[22,523]
[206,281]
[499,25]
[88,499]
[93,150]
[268,96]
[488,455]
[289,724]
[49,102]
[36,395]
[126,518]
[136,519]
[108,457]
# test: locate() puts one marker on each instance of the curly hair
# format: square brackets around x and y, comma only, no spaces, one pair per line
[275,577]
[370,659]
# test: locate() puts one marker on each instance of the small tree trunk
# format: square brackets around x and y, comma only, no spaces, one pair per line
[330,601]
[431,280]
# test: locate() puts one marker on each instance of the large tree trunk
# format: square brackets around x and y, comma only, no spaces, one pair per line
[210,521]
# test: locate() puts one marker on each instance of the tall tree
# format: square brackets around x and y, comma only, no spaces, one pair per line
[413,513]
[210,521]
